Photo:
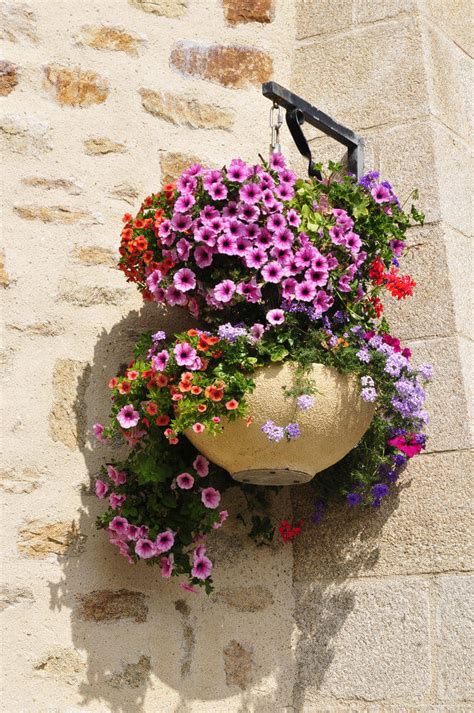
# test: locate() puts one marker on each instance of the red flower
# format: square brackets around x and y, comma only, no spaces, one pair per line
[400,286]
[377,271]
[288,532]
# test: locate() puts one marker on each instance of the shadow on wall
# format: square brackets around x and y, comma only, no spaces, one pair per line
[149,646]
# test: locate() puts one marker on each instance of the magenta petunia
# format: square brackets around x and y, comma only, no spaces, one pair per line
[175,297]
[201,466]
[164,541]
[305,291]
[203,256]
[160,360]
[217,191]
[98,431]
[184,354]
[255,257]
[145,548]
[202,568]
[275,316]
[117,476]
[128,417]
[184,203]
[185,481]
[167,566]
[380,194]
[184,280]
[210,497]
[223,515]
[250,193]
[188,588]
[153,280]
[119,525]
[224,291]
[116,501]
[101,488]
[272,272]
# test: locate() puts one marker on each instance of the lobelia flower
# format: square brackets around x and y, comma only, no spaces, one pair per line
[201,466]
[380,490]
[185,481]
[305,402]
[167,566]
[293,431]
[272,431]
[224,291]
[128,417]
[354,498]
[184,354]
[210,497]
[101,489]
[145,548]
[275,316]
[164,541]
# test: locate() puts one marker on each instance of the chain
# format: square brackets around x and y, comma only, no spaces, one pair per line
[276,120]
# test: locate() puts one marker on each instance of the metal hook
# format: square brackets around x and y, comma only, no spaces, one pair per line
[294,120]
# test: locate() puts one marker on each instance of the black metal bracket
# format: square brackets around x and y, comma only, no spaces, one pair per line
[298,111]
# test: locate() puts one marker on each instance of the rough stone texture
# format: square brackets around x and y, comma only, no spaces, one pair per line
[8,77]
[43,329]
[455,630]
[369,91]
[94,255]
[38,539]
[100,146]
[125,192]
[52,184]
[185,111]
[189,637]
[55,214]
[75,87]
[232,66]
[62,664]
[455,20]
[107,605]
[237,11]
[20,481]
[366,640]
[25,135]
[132,675]
[167,8]
[238,664]
[67,418]
[173,164]
[13,596]
[4,278]
[246,599]
[398,538]
[17,23]
[322,17]
[102,37]
[373,11]
[90,295]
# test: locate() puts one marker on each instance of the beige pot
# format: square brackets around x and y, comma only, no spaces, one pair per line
[329,430]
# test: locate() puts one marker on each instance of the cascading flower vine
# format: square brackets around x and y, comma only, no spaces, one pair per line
[274,268]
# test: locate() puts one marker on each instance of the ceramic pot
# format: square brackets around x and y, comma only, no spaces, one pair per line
[329,429]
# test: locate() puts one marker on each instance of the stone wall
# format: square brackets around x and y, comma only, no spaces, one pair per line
[102,102]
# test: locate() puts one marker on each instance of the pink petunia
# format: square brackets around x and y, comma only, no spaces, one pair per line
[184,280]
[128,417]
[101,489]
[272,272]
[224,291]
[119,525]
[98,430]
[184,354]
[275,316]
[223,515]
[201,466]
[116,501]
[145,549]
[189,588]
[133,532]
[305,291]
[198,427]
[210,497]
[160,360]
[167,566]
[185,481]
[202,568]
[153,280]
[164,541]
[118,477]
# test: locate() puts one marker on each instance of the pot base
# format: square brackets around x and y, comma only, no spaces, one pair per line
[278,476]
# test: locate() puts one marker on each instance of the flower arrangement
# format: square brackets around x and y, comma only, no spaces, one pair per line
[274,269]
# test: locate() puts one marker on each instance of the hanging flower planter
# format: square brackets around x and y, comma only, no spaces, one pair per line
[292,371]
[325,434]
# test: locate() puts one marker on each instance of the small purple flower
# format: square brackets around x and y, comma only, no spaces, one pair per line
[224,291]
[158,336]
[426,371]
[354,498]
[272,431]
[305,402]
[363,355]
[369,394]
[380,490]
[293,431]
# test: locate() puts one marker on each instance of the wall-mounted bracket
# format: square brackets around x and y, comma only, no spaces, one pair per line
[298,111]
